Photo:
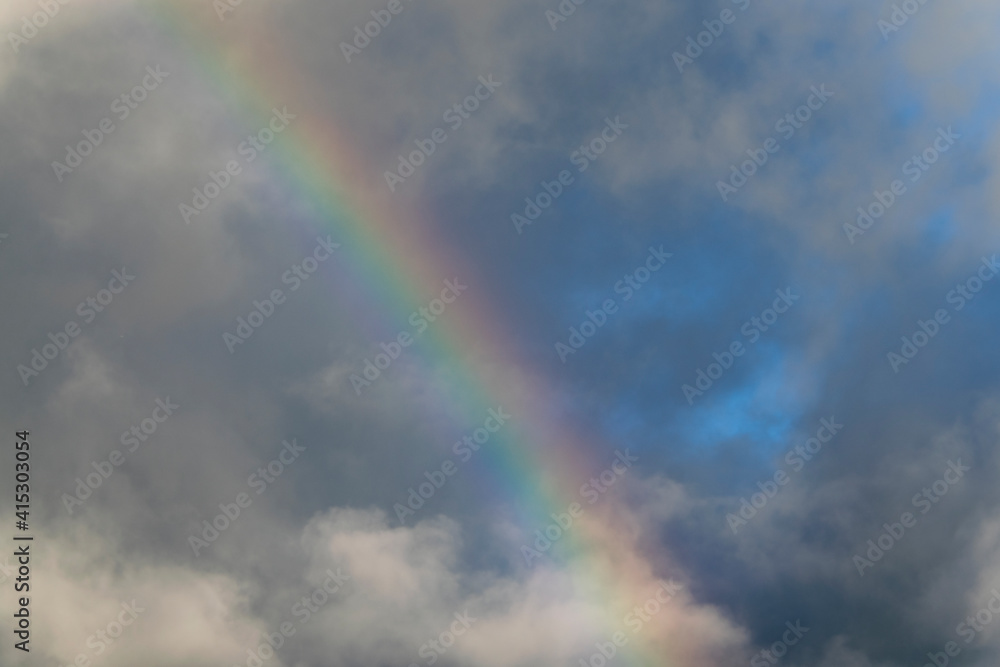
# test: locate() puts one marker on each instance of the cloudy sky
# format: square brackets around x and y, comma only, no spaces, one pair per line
[387,333]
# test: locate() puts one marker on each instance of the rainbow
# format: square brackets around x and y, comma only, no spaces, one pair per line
[540,462]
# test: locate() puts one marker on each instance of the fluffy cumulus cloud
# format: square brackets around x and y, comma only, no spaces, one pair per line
[408,594]
[500,334]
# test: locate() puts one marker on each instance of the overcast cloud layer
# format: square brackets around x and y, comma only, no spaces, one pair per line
[808,383]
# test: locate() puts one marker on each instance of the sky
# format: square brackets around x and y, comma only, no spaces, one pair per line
[385,333]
